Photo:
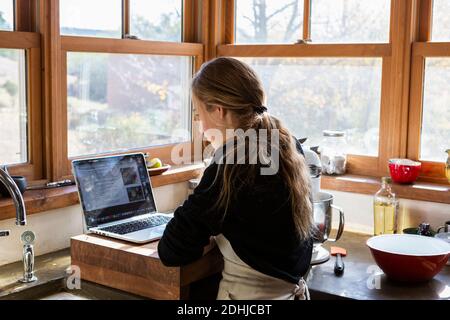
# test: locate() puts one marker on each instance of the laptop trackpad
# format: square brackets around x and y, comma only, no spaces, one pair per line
[147,235]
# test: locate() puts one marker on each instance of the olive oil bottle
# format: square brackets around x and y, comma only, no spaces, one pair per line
[385,209]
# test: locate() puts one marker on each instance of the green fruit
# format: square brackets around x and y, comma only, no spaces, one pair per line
[155,163]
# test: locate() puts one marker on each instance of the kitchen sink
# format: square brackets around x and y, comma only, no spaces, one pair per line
[57,290]
[51,283]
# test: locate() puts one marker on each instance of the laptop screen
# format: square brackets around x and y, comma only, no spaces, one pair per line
[113,188]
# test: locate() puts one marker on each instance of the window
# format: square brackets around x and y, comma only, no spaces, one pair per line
[441,20]
[350,21]
[156,20]
[436,110]
[119,102]
[311,95]
[13,107]
[269,21]
[97,18]
[336,78]
[122,95]
[6,15]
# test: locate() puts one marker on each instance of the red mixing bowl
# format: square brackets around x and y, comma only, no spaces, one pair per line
[404,170]
[409,258]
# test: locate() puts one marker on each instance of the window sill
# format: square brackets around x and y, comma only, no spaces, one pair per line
[423,191]
[37,201]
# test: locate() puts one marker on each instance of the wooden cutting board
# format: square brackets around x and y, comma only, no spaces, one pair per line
[137,268]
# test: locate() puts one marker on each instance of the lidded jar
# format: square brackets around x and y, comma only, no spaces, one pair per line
[333,152]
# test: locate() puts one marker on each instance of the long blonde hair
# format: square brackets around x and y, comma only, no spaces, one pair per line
[233,85]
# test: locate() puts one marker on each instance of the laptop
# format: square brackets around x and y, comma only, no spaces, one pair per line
[117,198]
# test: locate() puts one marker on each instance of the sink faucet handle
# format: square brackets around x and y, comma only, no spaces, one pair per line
[28,238]
[4,233]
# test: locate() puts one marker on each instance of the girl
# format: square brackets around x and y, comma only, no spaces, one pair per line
[262,223]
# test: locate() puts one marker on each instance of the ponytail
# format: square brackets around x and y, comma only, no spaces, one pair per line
[234,86]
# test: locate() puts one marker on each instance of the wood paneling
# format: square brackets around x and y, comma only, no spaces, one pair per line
[431,49]
[415,111]
[19,40]
[306,50]
[431,171]
[37,201]
[425,18]
[306,35]
[24,15]
[126,18]
[189,20]
[395,102]
[51,75]
[84,44]
[33,169]
[230,28]
[420,190]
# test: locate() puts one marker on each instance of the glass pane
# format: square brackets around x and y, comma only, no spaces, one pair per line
[261,21]
[6,15]
[350,21]
[156,19]
[436,110]
[441,20]
[13,107]
[119,102]
[311,95]
[98,18]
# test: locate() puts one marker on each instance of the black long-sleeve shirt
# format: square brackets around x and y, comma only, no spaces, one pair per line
[258,224]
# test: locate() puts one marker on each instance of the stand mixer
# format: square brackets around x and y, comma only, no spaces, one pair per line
[323,210]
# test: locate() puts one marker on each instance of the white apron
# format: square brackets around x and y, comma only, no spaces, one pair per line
[242,282]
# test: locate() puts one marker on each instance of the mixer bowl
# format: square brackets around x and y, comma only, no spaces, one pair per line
[323,217]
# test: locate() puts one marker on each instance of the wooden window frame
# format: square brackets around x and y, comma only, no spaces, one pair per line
[392,55]
[23,37]
[59,167]
[423,48]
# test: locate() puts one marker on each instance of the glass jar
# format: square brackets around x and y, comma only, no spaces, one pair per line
[333,153]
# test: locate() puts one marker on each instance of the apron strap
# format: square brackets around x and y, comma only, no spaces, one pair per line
[301,290]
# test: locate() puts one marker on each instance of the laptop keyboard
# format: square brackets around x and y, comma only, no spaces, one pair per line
[137,225]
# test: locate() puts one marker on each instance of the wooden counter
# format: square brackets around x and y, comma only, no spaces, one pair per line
[137,268]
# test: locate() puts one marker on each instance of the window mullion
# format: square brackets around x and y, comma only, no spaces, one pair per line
[126,18]
[306,36]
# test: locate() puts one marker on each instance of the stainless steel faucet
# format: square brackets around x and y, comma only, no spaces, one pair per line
[21,220]
[16,195]
[28,238]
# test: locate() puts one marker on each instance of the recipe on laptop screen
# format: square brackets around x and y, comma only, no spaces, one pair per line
[113,188]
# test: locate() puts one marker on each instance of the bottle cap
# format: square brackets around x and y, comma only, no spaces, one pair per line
[386,180]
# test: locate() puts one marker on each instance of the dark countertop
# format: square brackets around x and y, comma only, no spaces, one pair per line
[359,270]
[322,282]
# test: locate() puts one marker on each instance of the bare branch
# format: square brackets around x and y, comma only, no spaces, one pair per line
[280,10]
